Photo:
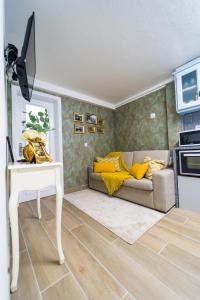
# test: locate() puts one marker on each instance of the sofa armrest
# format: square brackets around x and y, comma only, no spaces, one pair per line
[163,189]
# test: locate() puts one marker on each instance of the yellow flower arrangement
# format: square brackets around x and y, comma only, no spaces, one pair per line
[35,151]
[34,136]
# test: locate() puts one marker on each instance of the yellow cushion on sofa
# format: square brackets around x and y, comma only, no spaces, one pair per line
[153,166]
[104,167]
[139,170]
[114,160]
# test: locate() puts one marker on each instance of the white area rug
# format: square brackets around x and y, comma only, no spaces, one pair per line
[127,220]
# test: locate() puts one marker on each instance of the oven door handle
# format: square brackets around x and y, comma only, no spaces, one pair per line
[192,155]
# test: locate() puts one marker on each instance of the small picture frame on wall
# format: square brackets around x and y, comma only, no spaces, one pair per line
[100,122]
[79,129]
[78,117]
[91,119]
[100,129]
[92,129]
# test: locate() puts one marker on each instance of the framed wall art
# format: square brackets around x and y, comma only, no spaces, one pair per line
[92,129]
[100,121]
[78,117]
[79,129]
[91,119]
[100,129]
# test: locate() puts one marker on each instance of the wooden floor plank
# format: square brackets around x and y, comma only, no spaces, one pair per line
[152,242]
[107,234]
[181,228]
[95,281]
[27,286]
[193,224]
[43,254]
[176,239]
[45,211]
[66,289]
[140,283]
[182,283]
[68,218]
[25,211]
[176,217]
[187,262]
[187,213]
[129,297]
[50,202]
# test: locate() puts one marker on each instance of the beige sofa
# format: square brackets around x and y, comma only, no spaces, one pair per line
[158,194]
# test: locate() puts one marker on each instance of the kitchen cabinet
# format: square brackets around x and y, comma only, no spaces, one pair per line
[187,83]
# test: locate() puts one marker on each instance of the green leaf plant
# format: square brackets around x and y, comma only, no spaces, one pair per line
[38,122]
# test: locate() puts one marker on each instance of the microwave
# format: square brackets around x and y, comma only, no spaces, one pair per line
[189,138]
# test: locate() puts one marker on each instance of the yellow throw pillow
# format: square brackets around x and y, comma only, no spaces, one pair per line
[139,170]
[104,167]
[114,160]
[153,166]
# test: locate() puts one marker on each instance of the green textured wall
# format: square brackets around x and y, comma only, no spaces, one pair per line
[173,119]
[77,157]
[134,130]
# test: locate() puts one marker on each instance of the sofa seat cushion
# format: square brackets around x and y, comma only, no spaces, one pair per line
[143,184]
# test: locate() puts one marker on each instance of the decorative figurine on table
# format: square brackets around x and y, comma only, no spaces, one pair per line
[35,136]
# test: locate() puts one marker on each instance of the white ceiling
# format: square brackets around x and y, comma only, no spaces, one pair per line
[109,50]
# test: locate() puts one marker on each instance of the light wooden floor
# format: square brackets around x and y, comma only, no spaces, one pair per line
[163,264]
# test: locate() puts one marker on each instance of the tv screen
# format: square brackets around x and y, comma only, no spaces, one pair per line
[26,63]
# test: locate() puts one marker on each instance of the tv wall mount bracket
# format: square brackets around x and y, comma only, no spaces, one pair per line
[11,55]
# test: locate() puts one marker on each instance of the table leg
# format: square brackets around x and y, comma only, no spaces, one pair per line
[13,213]
[58,222]
[38,205]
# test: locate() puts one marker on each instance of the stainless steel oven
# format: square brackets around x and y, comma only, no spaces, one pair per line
[189,138]
[189,162]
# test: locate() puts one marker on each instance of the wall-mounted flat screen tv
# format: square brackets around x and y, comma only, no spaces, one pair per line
[26,63]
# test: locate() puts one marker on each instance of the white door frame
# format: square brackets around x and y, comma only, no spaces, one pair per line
[42,96]
[4,256]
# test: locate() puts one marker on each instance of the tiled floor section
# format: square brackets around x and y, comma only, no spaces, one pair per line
[164,264]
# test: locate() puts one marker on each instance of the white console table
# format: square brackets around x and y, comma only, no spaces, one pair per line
[25,176]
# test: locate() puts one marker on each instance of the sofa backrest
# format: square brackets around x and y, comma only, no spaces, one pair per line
[128,158]
[133,157]
[139,156]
